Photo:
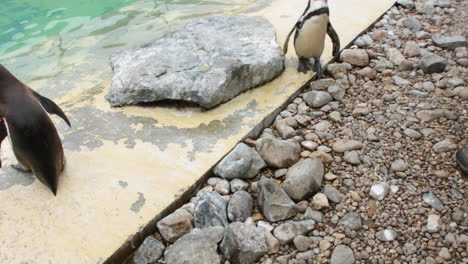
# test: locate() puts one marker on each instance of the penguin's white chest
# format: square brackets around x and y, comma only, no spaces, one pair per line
[310,39]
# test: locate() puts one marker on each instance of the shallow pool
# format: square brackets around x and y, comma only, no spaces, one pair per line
[61,48]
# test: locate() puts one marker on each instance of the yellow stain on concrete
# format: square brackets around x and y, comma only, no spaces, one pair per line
[107,194]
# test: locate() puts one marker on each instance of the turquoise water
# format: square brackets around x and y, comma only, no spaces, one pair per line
[24,22]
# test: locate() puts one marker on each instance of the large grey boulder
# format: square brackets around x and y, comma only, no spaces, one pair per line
[149,252]
[304,179]
[243,243]
[208,61]
[273,201]
[278,153]
[242,162]
[197,247]
[210,211]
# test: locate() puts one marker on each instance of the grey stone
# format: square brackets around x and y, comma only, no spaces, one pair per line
[356,57]
[342,255]
[444,253]
[433,201]
[379,191]
[284,130]
[346,145]
[433,223]
[272,243]
[409,249]
[312,214]
[205,62]
[239,206]
[432,63]
[412,133]
[449,42]
[412,23]
[445,146]
[386,235]
[175,225]
[337,91]
[399,165]
[317,98]
[149,252]
[351,220]
[210,211]
[462,92]
[286,232]
[238,185]
[400,81]
[364,41]
[336,69]
[273,201]
[197,247]
[222,187]
[394,56]
[242,162]
[278,153]
[412,49]
[243,243]
[352,157]
[333,194]
[430,115]
[321,84]
[301,243]
[406,3]
[304,179]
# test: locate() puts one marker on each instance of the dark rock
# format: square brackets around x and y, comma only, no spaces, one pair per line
[149,252]
[432,63]
[242,162]
[273,201]
[243,243]
[449,42]
[210,211]
[239,206]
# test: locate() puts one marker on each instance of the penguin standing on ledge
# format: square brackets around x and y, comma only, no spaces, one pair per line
[34,139]
[309,39]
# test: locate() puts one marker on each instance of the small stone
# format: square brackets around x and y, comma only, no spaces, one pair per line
[197,247]
[321,84]
[266,226]
[222,187]
[312,214]
[368,72]
[278,153]
[243,244]
[433,201]
[361,111]
[412,133]
[273,201]
[406,3]
[242,162]
[240,206]
[149,252]
[304,179]
[449,42]
[444,253]
[430,115]
[320,201]
[399,165]
[409,249]
[286,232]
[317,98]
[309,145]
[301,243]
[432,63]
[175,225]
[412,23]
[330,176]
[394,56]
[462,92]
[433,223]
[346,145]
[379,191]
[210,211]
[379,35]
[342,255]
[445,146]
[356,57]
[337,91]
[351,220]
[333,194]
[336,69]
[386,235]
[238,185]
[272,243]
[324,245]
[412,49]
[352,157]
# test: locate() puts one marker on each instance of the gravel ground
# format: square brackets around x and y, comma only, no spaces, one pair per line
[358,169]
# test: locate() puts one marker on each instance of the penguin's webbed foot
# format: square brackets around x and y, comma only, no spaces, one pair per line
[21,168]
[303,66]
[318,69]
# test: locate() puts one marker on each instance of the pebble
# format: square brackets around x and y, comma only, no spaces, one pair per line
[320,201]
[286,232]
[351,220]
[379,191]
[357,57]
[433,223]
[386,235]
[342,255]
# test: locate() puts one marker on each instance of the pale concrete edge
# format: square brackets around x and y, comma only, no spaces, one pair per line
[123,254]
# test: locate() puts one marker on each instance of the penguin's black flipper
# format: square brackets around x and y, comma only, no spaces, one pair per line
[285,47]
[51,107]
[335,40]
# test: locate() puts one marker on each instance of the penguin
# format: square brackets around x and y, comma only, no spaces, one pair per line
[309,39]
[34,138]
